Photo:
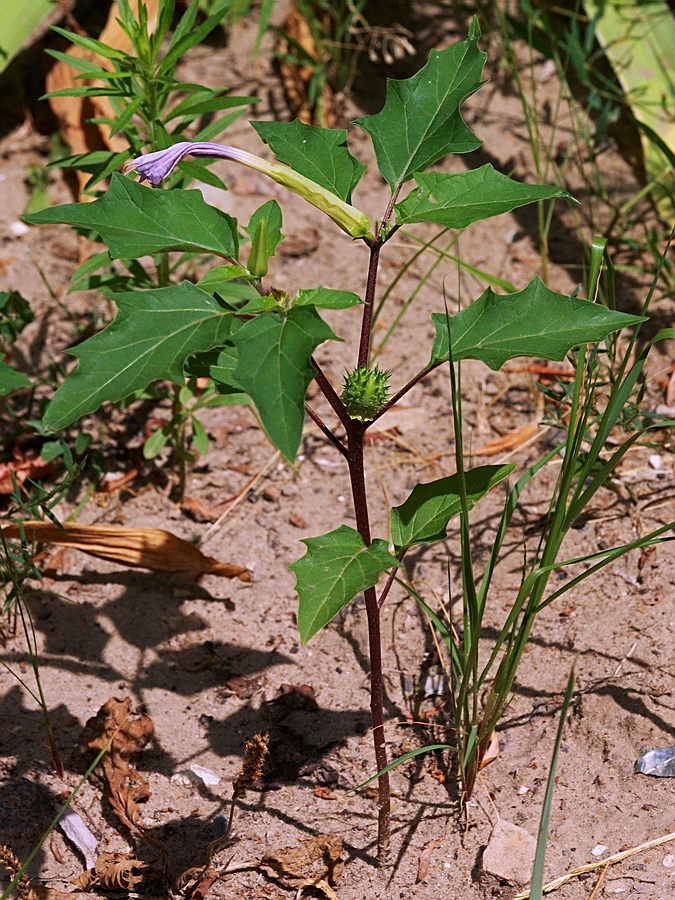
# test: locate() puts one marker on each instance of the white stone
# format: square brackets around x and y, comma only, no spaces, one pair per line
[598,850]
[208,776]
[510,853]
[19,228]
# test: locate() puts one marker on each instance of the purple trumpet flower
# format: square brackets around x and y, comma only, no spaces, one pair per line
[154,167]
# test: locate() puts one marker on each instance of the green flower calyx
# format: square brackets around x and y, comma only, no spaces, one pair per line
[365,392]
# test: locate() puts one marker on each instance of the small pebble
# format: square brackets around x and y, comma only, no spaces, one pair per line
[208,776]
[598,850]
[669,861]
[19,229]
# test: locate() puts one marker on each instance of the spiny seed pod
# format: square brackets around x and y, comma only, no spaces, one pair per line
[365,392]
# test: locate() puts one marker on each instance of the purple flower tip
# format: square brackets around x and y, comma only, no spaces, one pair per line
[155,167]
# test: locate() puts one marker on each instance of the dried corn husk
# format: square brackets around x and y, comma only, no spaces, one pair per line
[145,548]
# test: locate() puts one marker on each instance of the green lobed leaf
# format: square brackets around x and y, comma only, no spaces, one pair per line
[325,298]
[533,322]
[317,153]
[420,121]
[461,199]
[423,518]
[271,213]
[151,336]
[336,567]
[134,220]
[11,380]
[274,368]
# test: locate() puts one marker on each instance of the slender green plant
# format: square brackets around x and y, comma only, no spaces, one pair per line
[592,408]
[153,110]
[265,347]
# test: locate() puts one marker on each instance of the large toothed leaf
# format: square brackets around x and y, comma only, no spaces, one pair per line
[274,368]
[336,567]
[152,335]
[317,153]
[458,200]
[134,220]
[420,121]
[533,322]
[423,518]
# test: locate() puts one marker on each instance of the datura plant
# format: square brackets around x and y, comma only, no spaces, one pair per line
[262,347]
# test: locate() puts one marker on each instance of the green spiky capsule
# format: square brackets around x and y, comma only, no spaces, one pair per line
[365,392]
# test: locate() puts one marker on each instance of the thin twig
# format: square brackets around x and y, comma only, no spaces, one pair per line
[336,442]
[331,395]
[387,587]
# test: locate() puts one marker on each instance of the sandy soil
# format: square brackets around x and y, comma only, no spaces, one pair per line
[214,663]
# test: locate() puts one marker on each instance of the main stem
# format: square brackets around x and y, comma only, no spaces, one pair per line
[355,433]
[358,484]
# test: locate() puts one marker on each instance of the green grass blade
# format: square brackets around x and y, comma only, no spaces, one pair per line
[537,885]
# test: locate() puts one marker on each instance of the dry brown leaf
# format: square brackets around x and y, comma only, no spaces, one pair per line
[129,732]
[316,862]
[114,482]
[73,113]
[22,467]
[42,892]
[113,872]
[146,548]
[424,860]
[200,512]
[492,752]
[508,441]
[320,885]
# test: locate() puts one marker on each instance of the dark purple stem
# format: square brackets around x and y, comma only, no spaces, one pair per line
[369,300]
[331,395]
[390,580]
[358,483]
[336,442]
